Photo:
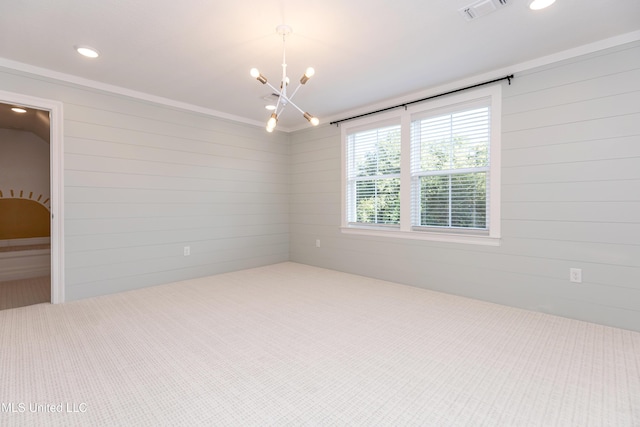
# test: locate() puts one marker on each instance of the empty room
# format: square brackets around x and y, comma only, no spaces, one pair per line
[349,213]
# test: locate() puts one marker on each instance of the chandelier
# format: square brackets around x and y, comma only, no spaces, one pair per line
[284,98]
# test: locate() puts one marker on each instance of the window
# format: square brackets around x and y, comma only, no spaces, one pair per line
[450,166]
[374,176]
[430,172]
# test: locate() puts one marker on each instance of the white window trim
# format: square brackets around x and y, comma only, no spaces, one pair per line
[405,231]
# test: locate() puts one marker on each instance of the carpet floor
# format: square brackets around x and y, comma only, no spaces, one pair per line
[294,345]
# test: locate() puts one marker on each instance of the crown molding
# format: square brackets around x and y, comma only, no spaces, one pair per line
[96,85]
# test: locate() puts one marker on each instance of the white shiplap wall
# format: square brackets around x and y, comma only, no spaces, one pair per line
[570,198]
[142,181]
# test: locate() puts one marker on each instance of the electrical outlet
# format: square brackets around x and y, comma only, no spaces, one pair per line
[187,250]
[575,275]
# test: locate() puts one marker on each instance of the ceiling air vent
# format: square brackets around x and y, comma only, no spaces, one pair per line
[481,8]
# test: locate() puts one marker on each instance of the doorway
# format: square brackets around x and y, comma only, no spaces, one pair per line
[31,206]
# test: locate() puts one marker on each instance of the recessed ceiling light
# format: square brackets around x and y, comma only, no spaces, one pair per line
[18,110]
[87,51]
[540,4]
[270,107]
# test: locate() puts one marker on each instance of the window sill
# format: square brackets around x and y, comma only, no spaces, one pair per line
[423,235]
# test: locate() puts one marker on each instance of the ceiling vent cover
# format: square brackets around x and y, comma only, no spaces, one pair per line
[481,8]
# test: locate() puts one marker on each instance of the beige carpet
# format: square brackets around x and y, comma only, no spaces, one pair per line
[18,293]
[291,345]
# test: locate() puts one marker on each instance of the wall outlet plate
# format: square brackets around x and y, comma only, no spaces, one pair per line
[575,275]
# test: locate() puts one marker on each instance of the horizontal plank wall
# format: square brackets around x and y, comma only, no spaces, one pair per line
[143,181]
[570,199]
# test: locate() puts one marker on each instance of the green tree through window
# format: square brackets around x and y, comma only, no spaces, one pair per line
[452,169]
[375,175]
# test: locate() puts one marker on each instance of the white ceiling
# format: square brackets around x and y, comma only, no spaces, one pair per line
[365,52]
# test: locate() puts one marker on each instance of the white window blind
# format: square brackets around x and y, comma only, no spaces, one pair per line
[450,169]
[373,176]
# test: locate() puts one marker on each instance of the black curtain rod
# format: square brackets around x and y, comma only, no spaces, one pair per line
[337,122]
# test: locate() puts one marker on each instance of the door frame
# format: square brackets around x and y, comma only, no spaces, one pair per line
[56,162]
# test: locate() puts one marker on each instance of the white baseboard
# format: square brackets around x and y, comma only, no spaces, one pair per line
[24,264]
[25,242]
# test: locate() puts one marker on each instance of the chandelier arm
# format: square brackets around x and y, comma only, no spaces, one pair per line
[294,92]
[291,102]
[276,91]
[284,64]
[281,109]
[281,96]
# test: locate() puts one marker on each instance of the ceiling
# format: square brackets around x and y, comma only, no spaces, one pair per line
[365,52]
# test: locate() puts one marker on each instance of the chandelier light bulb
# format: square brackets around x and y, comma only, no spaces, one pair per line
[313,120]
[307,75]
[271,123]
[255,73]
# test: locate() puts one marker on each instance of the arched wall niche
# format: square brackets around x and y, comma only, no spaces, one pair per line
[23,219]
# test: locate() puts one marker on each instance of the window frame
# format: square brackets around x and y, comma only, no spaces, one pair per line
[492,96]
